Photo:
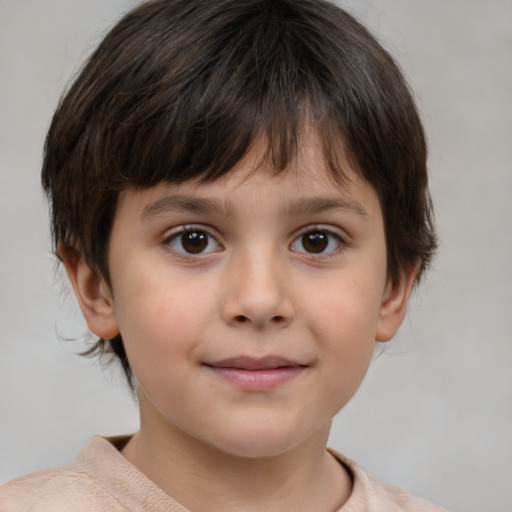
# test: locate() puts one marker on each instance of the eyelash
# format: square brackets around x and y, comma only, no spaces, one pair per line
[175,235]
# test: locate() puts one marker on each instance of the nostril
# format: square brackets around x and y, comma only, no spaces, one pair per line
[243,319]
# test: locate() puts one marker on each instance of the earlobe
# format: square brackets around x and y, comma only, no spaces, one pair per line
[92,293]
[394,306]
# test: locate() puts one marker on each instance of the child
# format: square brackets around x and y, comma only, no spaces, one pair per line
[239,197]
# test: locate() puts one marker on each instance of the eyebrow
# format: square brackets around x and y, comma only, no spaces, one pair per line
[190,204]
[315,205]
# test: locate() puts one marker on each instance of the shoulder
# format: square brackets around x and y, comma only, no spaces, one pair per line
[100,479]
[80,486]
[372,495]
[398,500]
[54,490]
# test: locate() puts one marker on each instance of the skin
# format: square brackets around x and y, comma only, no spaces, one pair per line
[257,288]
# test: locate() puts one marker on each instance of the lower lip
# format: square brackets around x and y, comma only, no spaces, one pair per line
[258,380]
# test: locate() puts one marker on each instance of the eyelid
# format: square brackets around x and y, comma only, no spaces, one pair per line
[327,228]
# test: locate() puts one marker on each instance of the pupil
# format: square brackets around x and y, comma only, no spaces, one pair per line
[315,242]
[194,242]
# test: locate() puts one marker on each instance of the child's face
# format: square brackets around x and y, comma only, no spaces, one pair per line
[249,307]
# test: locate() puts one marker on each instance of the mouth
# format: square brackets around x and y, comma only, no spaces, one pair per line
[255,364]
[256,374]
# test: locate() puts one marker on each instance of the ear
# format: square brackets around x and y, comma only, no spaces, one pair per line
[92,293]
[394,306]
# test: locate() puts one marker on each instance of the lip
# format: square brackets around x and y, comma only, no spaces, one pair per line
[256,374]
[254,363]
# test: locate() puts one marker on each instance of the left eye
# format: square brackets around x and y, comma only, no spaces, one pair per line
[193,241]
[316,242]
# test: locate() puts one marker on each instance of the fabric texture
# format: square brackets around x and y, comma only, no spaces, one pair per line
[102,480]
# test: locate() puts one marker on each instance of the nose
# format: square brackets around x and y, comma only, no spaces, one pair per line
[257,293]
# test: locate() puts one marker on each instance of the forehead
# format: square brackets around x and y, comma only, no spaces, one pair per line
[305,186]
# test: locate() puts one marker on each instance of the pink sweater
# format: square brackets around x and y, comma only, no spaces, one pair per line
[102,480]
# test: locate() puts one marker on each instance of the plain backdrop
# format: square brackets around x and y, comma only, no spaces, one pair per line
[435,412]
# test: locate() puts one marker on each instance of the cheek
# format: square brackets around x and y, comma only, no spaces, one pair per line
[344,323]
[346,313]
[345,358]
[161,322]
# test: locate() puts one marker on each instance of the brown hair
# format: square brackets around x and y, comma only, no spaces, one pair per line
[181,89]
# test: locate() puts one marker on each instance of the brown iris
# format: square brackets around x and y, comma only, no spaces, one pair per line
[194,242]
[315,242]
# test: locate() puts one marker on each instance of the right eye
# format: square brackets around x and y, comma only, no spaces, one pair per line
[317,242]
[192,241]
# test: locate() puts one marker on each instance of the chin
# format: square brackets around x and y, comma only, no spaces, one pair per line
[261,440]
[255,448]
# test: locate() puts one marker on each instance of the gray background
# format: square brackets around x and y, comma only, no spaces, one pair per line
[435,412]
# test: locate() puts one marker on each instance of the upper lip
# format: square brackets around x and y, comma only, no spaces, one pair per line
[254,363]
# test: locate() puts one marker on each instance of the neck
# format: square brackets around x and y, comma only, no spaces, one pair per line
[203,478]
